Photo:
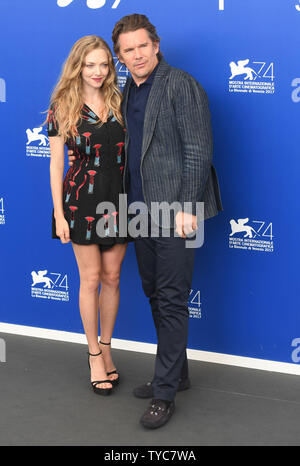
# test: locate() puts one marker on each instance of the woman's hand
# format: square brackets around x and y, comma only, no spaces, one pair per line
[62,229]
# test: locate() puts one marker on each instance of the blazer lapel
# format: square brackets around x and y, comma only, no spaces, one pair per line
[153,104]
[124,107]
[125,99]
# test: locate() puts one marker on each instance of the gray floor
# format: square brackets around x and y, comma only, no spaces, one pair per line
[46,399]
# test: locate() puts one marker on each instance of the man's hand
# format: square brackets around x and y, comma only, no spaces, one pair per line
[185,224]
[71,157]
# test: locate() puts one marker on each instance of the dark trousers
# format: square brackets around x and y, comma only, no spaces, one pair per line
[166,270]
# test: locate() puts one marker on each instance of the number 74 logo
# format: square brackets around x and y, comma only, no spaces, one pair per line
[268,231]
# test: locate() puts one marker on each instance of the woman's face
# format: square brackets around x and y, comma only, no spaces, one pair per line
[95,68]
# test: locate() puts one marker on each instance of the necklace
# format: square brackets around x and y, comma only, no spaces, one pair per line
[101,113]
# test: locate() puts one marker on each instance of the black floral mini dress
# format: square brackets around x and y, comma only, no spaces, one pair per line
[94,178]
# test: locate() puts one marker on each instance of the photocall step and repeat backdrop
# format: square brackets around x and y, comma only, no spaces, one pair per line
[245,53]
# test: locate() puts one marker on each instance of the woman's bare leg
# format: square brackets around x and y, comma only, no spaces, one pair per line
[89,265]
[111,262]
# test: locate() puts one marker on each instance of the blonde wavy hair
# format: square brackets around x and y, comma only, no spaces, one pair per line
[67,97]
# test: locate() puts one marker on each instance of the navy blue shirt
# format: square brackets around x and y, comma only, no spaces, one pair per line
[137,101]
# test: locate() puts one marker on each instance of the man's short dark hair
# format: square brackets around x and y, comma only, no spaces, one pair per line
[132,23]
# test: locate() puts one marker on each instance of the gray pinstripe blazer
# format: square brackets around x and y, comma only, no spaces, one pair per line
[176,162]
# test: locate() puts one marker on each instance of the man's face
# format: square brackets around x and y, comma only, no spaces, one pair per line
[138,53]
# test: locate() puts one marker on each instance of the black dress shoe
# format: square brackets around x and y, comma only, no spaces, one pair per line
[158,413]
[146,390]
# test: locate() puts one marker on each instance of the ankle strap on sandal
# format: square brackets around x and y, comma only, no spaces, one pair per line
[90,354]
[101,342]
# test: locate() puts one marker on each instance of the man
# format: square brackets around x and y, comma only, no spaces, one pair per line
[168,158]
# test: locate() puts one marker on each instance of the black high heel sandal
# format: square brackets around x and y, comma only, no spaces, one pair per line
[114,382]
[99,391]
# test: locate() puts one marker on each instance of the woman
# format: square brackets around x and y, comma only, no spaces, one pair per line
[85,114]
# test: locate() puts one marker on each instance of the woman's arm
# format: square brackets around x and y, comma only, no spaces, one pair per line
[56,181]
